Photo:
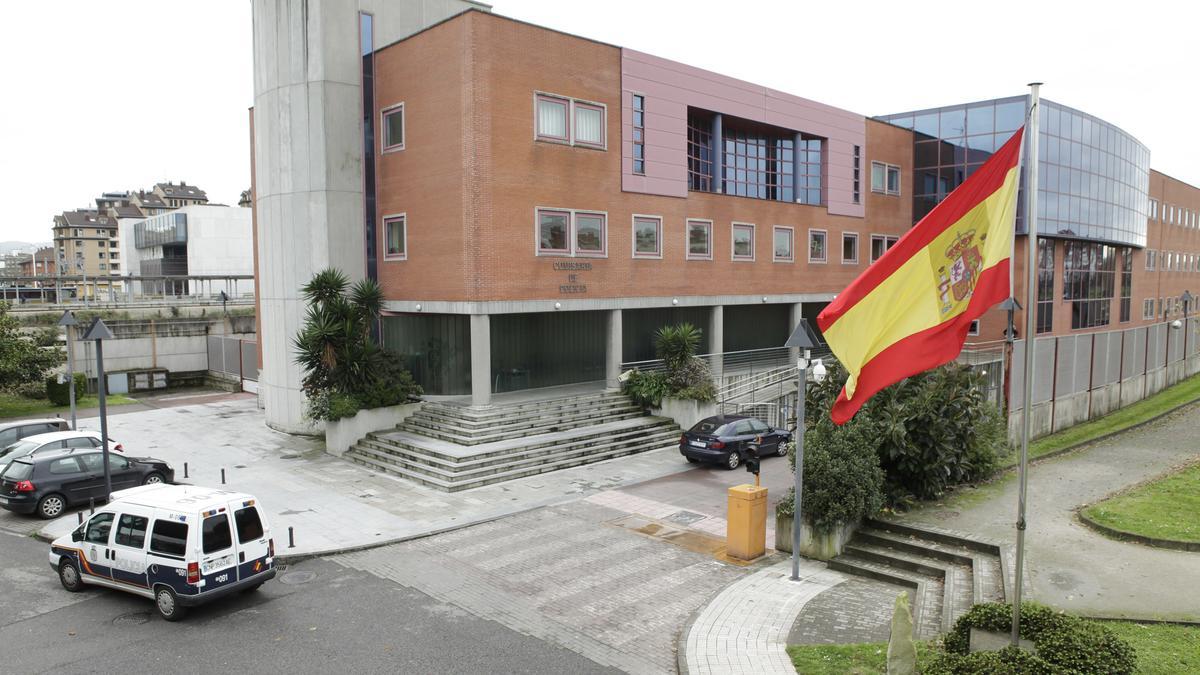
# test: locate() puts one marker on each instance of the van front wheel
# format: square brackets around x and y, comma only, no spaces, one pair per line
[168,605]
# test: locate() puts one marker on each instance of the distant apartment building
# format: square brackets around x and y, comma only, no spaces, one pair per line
[40,263]
[211,244]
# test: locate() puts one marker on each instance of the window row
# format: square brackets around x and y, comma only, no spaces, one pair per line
[1174,215]
[560,119]
[1172,261]
[1167,308]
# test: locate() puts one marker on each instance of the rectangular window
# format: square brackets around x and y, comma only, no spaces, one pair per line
[1126,284]
[215,534]
[552,231]
[885,178]
[1089,279]
[1148,309]
[169,538]
[973,329]
[784,244]
[101,255]
[817,250]
[880,244]
[395,229]
[1150,259]
[1045,286]
[743,241]
[103,266]
[700,152]
[552,118]
[849,248]
[392,122]
[857,177]
[589,234]
[589,125]
[249,524]
[131,531]
[1153,209]
[639,134]
[647,237]
[808,172]
[699,239]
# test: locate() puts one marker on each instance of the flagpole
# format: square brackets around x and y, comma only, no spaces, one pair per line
[1031,192]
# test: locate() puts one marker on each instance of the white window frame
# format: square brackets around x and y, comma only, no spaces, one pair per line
[888,242]
[402,216]
[687,241]
[973,329]
[658,238]
[792,233]
[825,233]
[853,261]
[733,228]
[1148,309]
[883,190]
[384,148]
[571,104]
[572,231]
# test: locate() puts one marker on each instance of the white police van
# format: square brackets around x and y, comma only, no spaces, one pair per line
[180,545]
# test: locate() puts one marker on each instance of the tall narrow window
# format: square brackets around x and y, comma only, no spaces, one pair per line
[1126,284]
[784,244]
[639,134]
[396,233]
[700,154]
[552,118]
[1089,276]
[743,241]
[849,248]
[1045,286]
[393,127]
[589,125]
[647,237]
[857,175]
[699,239]
[818,246]
[893,180]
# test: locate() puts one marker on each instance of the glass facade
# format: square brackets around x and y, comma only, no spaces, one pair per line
[1089,282]
[1093,177]
[547,349]
[435,348]
[757,160]
[162,230]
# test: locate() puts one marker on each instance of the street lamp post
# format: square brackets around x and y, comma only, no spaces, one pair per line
[68,322]
[1186,298]
[99,332]
[802,339]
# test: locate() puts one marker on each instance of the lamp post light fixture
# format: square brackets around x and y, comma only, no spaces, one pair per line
[802,338]
[99,333]
[68,322]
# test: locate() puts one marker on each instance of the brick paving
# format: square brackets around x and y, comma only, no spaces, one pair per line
[563,575]
[856,610]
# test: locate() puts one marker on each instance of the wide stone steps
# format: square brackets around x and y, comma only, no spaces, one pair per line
[510,410]
[454,432]
[948,572]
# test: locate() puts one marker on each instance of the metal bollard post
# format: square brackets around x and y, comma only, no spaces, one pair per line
[91,505]
[80,514]
[291,537]
[222,476]
[185,475]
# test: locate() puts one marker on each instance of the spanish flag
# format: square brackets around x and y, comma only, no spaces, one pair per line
[910,311]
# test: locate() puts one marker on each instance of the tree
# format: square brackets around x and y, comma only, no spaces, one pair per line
[344,369]
[21,360]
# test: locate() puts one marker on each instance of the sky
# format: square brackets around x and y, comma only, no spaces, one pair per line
[122,94]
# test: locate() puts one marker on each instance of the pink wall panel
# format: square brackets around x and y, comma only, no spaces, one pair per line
[671,87]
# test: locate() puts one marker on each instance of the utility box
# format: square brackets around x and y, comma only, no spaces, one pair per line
[746,536]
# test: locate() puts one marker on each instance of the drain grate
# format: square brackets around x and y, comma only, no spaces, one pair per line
[132,619]
[298,577]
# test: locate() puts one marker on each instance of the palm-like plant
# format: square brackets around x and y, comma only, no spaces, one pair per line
[675,345]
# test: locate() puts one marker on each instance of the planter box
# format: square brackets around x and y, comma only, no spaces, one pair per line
[685,413]
[818,547]
[341,435]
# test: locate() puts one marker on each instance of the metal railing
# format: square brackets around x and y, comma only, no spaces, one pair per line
[737,362]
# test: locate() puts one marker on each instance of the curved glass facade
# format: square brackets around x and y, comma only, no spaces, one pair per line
[1093,177]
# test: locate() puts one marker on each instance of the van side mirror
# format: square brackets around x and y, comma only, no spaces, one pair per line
[77,534]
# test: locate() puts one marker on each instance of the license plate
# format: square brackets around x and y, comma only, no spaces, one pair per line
[3,500]
[698,444]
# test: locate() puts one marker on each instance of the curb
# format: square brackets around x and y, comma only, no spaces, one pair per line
[1121,535]
[1160,622]
[681,642]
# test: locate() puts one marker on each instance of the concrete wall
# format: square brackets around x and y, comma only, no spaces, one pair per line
[219,242]
[685,413]
[179,345]
[308,152]
[341,435]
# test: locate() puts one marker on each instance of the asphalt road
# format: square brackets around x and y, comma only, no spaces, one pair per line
[317,616]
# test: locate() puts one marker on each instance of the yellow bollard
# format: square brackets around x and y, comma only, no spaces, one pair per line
[746,536]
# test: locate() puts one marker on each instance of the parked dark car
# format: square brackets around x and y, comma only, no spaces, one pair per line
[48,484]
[11,432]
[723,440]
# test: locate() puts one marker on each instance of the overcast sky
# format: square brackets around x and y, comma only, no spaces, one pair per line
[121,94]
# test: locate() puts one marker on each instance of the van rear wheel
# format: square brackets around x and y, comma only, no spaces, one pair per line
[168,605]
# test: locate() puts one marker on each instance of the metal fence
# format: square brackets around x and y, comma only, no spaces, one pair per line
[234,357]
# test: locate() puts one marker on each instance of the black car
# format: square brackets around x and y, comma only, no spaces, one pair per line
[723,440]
[47,484]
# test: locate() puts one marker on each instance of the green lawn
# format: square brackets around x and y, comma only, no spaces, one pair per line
[19,406]
[1168,508]
[1147,409]
[1162,649]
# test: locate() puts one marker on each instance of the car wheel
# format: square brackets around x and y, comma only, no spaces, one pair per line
[733,460]
[693,460]
[781,448]
[167,604]
[68,574]
[152,478]
[51,506]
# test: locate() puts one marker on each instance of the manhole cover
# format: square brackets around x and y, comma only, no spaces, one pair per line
[298,577]
[685,517]
[132,619]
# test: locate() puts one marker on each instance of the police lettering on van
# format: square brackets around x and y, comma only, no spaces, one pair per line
[179,545]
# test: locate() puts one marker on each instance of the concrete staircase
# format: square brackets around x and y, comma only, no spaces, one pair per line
[946,572]
[454,447]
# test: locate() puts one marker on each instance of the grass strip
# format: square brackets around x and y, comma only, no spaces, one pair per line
[1167,508]
[18,406]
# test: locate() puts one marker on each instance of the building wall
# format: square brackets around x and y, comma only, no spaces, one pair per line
[471,216]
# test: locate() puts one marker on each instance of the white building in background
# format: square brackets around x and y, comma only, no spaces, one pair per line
[196,240]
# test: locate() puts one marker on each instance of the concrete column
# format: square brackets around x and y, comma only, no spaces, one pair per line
[797,314]
[615,346]
[718,154]
[716,339]
[481,360]
[796,155]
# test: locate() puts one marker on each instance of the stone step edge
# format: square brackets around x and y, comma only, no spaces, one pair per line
[918,586]
[469,418]
[885,539]
[506,409]
[661,440]
[516,432]
[934,535]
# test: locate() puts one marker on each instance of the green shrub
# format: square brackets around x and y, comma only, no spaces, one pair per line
[842,478]
[646,389]
[1066,643]
[1008,661]
[59,394]
[388,384]
[330,406]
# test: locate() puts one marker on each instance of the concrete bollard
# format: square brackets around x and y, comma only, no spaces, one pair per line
[80,514]
[185,467]
[291,537]
[91,505]
[222,476]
